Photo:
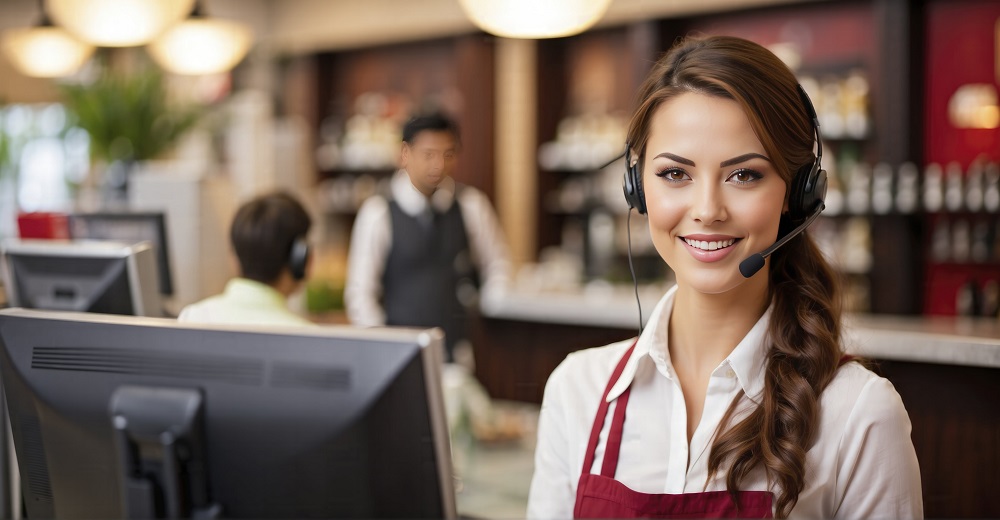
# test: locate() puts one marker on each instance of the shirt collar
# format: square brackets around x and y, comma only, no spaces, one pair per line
[747,360]
[413,202]
[246,290]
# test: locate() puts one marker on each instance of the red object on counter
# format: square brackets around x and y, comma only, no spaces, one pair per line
[42,224]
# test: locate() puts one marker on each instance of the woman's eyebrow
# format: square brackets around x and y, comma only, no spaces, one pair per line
[677,158]
[741,158]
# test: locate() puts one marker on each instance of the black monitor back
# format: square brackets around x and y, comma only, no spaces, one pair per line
[129,227]
[79,275]
[318,423]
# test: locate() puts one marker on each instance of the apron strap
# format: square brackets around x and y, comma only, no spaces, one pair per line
[602,413]
[613,446]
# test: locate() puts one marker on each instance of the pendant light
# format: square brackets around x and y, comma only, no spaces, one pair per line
[117,23]
[44,50]
[534,18]
[201,45]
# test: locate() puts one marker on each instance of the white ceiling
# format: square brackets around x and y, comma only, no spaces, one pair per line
[296,26]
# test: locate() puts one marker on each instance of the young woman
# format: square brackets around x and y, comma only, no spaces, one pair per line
[735,400]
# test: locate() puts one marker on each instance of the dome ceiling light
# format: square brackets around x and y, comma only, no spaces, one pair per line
[201,45]
[118,23]
[45,50]
[535,18]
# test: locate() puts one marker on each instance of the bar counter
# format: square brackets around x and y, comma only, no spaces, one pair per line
[946,370]
[946,340]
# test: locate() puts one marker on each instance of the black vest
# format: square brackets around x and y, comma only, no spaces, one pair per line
[428,262]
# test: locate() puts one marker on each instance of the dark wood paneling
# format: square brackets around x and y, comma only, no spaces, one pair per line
[455,75]
[514,359]
[474,58]
[955,412]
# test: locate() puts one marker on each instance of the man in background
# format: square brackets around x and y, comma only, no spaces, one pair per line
[268,235]
[418,254]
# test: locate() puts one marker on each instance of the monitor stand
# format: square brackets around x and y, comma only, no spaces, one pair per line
[160,442]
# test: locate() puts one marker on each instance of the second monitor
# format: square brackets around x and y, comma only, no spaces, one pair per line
[129,227]
[82,276]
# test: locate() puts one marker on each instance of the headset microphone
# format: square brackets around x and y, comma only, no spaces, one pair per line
[755,262]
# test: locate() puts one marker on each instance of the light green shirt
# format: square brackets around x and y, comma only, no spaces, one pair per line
[243,302]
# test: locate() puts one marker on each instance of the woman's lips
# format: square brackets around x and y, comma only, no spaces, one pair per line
[709,249]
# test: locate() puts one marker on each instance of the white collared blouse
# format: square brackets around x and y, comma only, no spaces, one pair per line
[862,464]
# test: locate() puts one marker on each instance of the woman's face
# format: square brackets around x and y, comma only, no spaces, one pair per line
[713,196]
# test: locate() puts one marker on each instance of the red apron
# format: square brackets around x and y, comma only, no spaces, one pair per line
[601,496]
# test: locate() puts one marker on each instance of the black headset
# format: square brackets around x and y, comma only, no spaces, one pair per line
[298,258]
[806,192]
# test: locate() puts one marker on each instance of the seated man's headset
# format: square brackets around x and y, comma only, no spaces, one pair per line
[805,201]
[298,258]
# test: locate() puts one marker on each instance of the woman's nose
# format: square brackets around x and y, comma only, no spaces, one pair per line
[708,205]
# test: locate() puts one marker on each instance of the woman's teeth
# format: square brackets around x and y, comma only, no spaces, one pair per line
[710,246]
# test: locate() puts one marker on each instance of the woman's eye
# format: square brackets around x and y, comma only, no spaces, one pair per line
[672,174]
[745,176]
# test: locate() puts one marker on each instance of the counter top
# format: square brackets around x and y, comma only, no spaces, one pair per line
[925,339]
[955,341]
[602,305]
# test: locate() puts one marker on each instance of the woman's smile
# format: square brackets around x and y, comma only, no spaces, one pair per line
[709,248]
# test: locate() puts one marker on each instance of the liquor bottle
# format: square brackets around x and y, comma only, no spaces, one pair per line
[933,189]
[882,189]
[907,194]
[954,196]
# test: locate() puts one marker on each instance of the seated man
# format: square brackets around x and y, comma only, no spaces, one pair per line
[268,235]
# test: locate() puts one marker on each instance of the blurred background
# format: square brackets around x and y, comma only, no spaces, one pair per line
[309,95]
[187,108]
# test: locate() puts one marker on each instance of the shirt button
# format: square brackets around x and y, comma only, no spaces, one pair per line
[730,373]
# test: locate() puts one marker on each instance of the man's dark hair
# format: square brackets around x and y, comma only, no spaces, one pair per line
[263,232]
[435,122]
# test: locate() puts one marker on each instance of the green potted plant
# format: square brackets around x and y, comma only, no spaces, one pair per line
[129,118]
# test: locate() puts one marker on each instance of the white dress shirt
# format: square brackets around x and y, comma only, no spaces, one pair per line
[862,464]
[371,240]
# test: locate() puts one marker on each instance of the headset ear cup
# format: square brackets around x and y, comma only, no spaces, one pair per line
[819,188]
[299,258]
[640,193]
[797,193]
[632,185]
[807,190]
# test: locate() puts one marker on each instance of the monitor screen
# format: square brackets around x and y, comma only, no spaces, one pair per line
[128,227]
[83,276]
[118,416]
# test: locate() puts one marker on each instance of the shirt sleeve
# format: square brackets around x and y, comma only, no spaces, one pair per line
[552,492]
[370,239]
[878,470]
[187,314]
[487,242]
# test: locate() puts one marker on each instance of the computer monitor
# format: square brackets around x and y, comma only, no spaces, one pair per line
[128,227]
[80,275]
[118,416]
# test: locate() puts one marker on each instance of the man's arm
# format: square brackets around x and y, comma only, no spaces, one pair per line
[487,242]
[370,241]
